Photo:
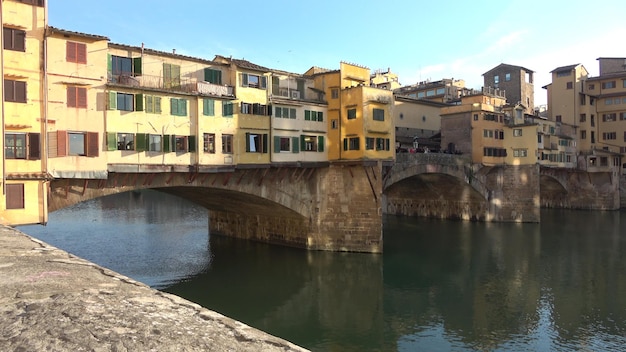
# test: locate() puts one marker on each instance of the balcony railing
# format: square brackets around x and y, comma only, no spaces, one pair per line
[185,85]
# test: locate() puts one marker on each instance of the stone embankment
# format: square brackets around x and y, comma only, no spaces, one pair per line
[51,300]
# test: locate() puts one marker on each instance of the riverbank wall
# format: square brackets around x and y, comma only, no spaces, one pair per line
[51,300]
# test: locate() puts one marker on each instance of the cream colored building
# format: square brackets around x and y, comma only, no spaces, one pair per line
[417,123]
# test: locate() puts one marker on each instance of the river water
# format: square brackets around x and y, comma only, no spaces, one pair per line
[439,286]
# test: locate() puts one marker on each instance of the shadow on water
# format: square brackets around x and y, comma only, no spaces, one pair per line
[438,286]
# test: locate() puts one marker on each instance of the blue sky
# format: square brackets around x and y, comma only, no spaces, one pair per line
[418,40]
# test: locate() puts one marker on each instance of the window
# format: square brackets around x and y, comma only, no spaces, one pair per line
[121,66]
[14,39]
[496,79]
[334,124]
[256,143]
[254,109]
[369,143]
[183,144]
[21,145]
[227,108]
[379,115]
[609,135]
[178,107]
[313,115]
[609,117]
[76,97]
[440,91]
[125,101]
[604,161]
[517,132]
[583,117]
[593,136]
[209,143]
[430,93]
[208,107]
[15,195]
[495,152]
[64,143]
[334,93]
[563,73]
[558,118]
[76,142]
[287,113]
[351,143]
[507,77]
[569,85]
[76,52]
[382,143]
[253,81]
[312,143]
[608,85]
[283,144]
[421,94]
[608,101]
[475,117]
[14,91]
[155,143]
[622,116]
[520,153]
[212,76]
[583,134]
[592,86]
[153,104]
[227,143]
[125,141]
[351,114]
[171,76]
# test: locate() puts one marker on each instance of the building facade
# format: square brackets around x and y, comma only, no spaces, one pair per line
[516,82]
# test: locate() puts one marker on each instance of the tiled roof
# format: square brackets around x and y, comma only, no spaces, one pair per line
[52,30]
[162,53]
[243,63]
[565,68]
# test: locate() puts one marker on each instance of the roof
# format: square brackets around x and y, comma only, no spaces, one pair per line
[241,63]
[161,53]
[511,66]
[53,30]
[421,101]
[565,68]
[607,76]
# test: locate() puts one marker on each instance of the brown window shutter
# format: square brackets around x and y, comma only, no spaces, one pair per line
[20,91]
[92,144]
[71,97]
[34,146]
[61,143]
[81,53]
[15,195]
[70,52]
[82,97]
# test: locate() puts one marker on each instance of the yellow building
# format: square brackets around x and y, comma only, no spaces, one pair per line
[360,123]
[24,176]
[76,79]
[476,127]
[417,123]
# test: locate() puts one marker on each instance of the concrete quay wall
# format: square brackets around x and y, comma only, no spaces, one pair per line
[51,300]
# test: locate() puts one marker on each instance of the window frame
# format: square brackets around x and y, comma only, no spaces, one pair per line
[209,143]
[76,52]
[14,39]
[76,97]
[12,90]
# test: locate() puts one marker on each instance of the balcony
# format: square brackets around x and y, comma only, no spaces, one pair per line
[184,85]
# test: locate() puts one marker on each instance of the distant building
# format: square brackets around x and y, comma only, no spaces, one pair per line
[384,79]
[442,91]
[516,82]
[417,123]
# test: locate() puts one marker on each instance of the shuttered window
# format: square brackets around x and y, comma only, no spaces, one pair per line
[212,76]
[76,52]
[15,195]
[14,39]
[76,97]
[14,91]
[171,76]
[208,107]
[178,107]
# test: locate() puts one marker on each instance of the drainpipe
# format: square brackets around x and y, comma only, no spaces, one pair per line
[4,177]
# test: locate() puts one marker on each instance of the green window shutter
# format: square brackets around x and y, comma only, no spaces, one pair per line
[302,143]
[345,144]
[167,139]
[109,65]
[244,79]
[265,143]
[307,115]
[137,66]
[176,75]
[263,82]
[149,104]
[112,105]
[183,107]
[208,108]
[167,75]
[247,142]
[207,75]
[173,106]
[111,141]
[192,143]
[278,111]
[320,143]
[320,116]
[142,142]
[295,144]
[205,106]
[157,105]
[292,113]
[275,85]
[276,144]
[138,102]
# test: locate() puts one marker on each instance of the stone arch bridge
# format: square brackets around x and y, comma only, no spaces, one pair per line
[339,206]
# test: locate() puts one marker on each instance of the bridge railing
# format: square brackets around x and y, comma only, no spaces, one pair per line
[433,158]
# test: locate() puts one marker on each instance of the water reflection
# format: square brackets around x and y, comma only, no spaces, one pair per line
[439,286]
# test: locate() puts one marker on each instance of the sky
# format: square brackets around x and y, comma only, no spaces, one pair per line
[416,39]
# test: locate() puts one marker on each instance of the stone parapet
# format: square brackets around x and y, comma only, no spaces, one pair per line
[53,301]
